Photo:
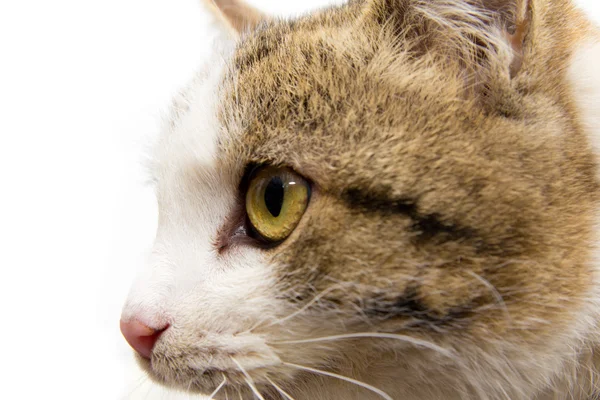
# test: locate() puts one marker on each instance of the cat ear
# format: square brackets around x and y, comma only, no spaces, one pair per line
[469,30]
[237,15]
[514,17]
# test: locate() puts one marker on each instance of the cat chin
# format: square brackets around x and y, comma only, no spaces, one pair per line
[208,358]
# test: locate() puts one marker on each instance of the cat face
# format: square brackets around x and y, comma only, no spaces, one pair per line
[385,199]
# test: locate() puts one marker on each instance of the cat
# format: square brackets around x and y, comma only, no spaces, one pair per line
[386,199]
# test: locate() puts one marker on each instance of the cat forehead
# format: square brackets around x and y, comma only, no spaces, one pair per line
[328,92]
[188,144]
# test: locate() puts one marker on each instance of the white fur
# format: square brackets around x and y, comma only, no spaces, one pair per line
[585,81]
[190,139]
[186,282]
[584,78]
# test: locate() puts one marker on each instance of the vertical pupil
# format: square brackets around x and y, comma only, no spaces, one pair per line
[274,196]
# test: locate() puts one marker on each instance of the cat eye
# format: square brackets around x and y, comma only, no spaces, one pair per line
[275,202]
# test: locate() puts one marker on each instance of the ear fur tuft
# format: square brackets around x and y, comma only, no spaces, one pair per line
[465,30]
[237,14]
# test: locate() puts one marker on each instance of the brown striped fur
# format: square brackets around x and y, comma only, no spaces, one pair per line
[455,195]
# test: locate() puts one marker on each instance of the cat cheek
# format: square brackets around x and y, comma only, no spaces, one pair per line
[223,293]
[211,320]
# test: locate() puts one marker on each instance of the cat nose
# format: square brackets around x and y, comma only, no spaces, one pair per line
[141,337]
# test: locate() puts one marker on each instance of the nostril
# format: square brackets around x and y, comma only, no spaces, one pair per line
[141,337]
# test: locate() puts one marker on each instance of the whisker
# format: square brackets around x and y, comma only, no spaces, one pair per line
[280,390]
[379,335]
[494,292]
[343,378]
[226,395]
[150,390]
[213,394]
[141,380]
[248,379]
[254,389]
[304,307]
[253,327]
[188,391]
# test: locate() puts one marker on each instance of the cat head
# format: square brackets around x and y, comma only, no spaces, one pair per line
[397,191]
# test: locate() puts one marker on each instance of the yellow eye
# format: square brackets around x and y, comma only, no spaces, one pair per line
[275,202]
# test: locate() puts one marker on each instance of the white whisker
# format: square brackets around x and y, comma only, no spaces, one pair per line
[226,395]
[304,307]
[379,335]
[495,293]
[150,390]
[253,388]
[343,378]
[248,379]
[280,390]
[141,380]
[189,392]
[213,394]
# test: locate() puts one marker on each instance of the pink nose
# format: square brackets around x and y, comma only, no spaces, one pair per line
[141,337]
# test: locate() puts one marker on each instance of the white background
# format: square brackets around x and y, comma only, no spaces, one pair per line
[83,85]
